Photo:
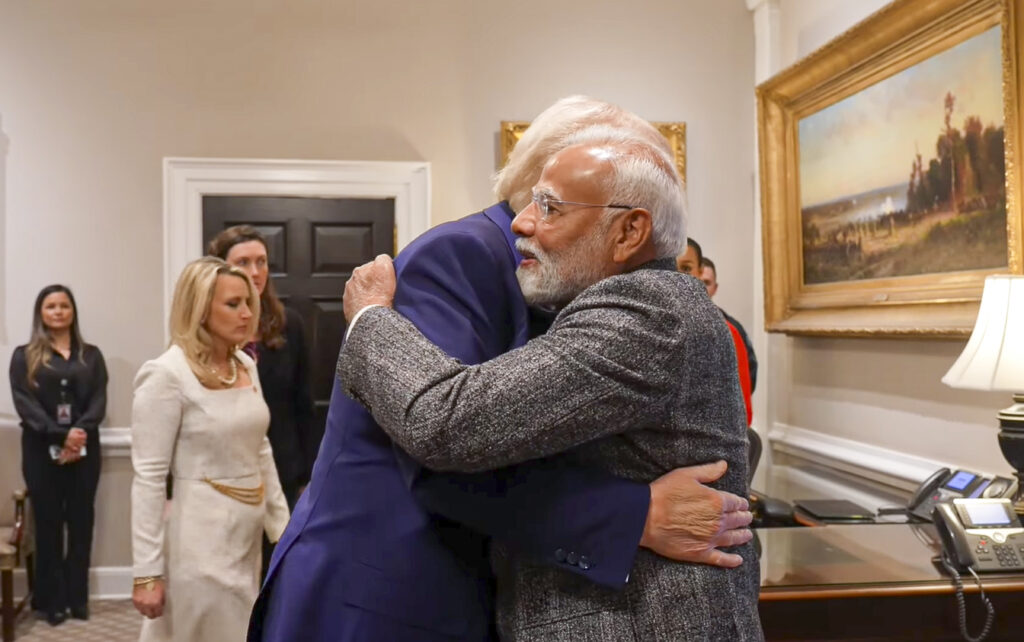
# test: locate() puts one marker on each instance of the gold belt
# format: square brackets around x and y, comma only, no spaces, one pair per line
[252,496]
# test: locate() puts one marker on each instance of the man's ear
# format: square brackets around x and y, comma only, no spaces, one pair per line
[632,231]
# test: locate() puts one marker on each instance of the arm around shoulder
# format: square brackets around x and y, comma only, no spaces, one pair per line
[583,380]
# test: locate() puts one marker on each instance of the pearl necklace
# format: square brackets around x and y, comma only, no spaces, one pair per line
[230,380]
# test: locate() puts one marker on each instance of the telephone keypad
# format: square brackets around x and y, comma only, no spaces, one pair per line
[1006,555]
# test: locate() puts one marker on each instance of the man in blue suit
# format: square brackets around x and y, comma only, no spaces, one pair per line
[380,549]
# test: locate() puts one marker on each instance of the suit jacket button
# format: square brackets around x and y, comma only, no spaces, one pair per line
[572,558]
[584,562]
[560,555]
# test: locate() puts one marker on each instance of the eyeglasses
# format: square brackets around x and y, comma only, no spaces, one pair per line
[544,202]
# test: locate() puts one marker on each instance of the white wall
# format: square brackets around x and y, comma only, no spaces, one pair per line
[93,95]
[883,394]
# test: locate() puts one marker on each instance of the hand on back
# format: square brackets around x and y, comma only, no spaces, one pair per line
[689,522]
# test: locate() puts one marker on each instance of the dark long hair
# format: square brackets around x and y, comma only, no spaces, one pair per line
[272,319]
[40,347]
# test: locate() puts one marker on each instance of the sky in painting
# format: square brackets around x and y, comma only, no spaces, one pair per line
[868,140]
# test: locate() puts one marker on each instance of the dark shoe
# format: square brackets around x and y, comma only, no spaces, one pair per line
[55,618]
[80,613]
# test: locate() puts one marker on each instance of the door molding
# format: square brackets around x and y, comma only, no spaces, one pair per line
[187,180]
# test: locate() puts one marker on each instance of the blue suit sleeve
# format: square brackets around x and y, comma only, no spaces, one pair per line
[457,290]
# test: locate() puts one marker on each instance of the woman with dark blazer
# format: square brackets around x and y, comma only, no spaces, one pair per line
[59,384]
[279,348]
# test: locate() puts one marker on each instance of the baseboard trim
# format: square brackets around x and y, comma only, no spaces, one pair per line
[116,441]
[868,463]
[105,582]
[111,582]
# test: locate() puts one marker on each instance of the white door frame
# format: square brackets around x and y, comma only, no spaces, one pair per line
[187,180]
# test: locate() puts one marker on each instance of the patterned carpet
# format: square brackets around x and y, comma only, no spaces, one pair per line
[109,621]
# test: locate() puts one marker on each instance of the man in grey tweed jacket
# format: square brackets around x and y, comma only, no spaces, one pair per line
[637,376]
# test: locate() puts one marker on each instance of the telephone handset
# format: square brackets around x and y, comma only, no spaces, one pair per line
[925,490]
[944,485]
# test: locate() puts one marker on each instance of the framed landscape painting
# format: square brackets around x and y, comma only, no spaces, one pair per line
[889,172]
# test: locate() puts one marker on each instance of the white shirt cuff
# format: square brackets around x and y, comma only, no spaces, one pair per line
[352,324]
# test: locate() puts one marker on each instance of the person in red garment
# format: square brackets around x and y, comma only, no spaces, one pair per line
[689,262]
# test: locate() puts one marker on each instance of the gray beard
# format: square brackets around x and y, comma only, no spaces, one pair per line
[556,279]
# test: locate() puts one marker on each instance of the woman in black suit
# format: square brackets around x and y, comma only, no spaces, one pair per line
[279,349]
[59,384]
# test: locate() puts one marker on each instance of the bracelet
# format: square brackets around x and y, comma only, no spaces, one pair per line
[148,582]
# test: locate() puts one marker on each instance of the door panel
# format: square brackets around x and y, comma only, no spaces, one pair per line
[339,248]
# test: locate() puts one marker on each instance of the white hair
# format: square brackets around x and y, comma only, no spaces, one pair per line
[550,132]
[644,176]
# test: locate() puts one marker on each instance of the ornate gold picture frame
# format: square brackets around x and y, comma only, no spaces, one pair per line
[849,251]
[675,133]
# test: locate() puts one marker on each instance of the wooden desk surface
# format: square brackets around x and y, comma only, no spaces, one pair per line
[873,582]
[859,560]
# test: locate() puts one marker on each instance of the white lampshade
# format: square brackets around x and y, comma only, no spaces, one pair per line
[994,356]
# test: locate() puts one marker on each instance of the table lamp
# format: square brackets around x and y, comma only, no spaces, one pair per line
[994,360]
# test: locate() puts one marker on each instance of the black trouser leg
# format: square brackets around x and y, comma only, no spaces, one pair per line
[43,480]
[83,477]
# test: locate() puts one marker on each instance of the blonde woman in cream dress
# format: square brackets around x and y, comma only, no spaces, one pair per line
[199,414]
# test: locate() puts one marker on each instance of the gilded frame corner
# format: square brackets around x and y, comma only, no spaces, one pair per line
[675,133]
[902,34]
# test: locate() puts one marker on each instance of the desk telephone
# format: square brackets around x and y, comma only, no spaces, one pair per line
[978,535]
[983,534]
[945,485]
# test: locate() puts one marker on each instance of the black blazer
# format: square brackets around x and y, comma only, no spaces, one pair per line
[284,373]
[86,391]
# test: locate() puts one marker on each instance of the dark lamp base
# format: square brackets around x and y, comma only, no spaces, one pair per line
[1011,442]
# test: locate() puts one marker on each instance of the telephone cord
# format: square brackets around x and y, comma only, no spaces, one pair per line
[962,607]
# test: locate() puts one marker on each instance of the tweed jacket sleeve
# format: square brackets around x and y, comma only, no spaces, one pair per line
[608,359]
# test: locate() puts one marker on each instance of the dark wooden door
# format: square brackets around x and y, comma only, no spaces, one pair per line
[313,246]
